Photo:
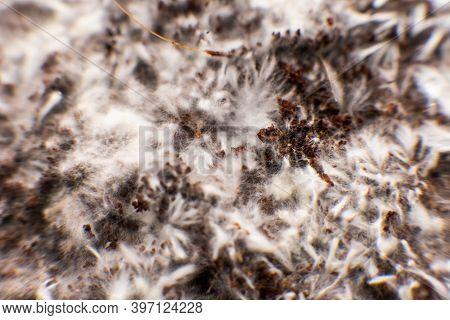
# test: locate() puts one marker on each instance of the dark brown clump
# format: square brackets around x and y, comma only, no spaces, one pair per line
[115,228]
[146,74]
[302,141]
[218,53]
[174,9]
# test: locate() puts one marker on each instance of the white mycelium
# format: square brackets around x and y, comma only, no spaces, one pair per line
[347,199]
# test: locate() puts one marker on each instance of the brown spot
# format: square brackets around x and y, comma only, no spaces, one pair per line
[271,134]
[50,63]
[213,53]
[8,89]
[330,21]
[145,74]
[140,204]
[87,228]
[288,110]
[221,154]
[390,222]
[237,150]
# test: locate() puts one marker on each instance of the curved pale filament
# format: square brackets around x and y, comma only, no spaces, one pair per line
[211,53]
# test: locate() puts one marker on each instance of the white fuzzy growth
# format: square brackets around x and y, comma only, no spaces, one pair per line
[282,186]
[427,223]
[332,235]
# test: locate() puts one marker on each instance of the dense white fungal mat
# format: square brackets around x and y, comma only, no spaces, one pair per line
[132,169]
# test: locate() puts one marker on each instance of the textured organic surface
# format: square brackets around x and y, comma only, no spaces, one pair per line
[307,157]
